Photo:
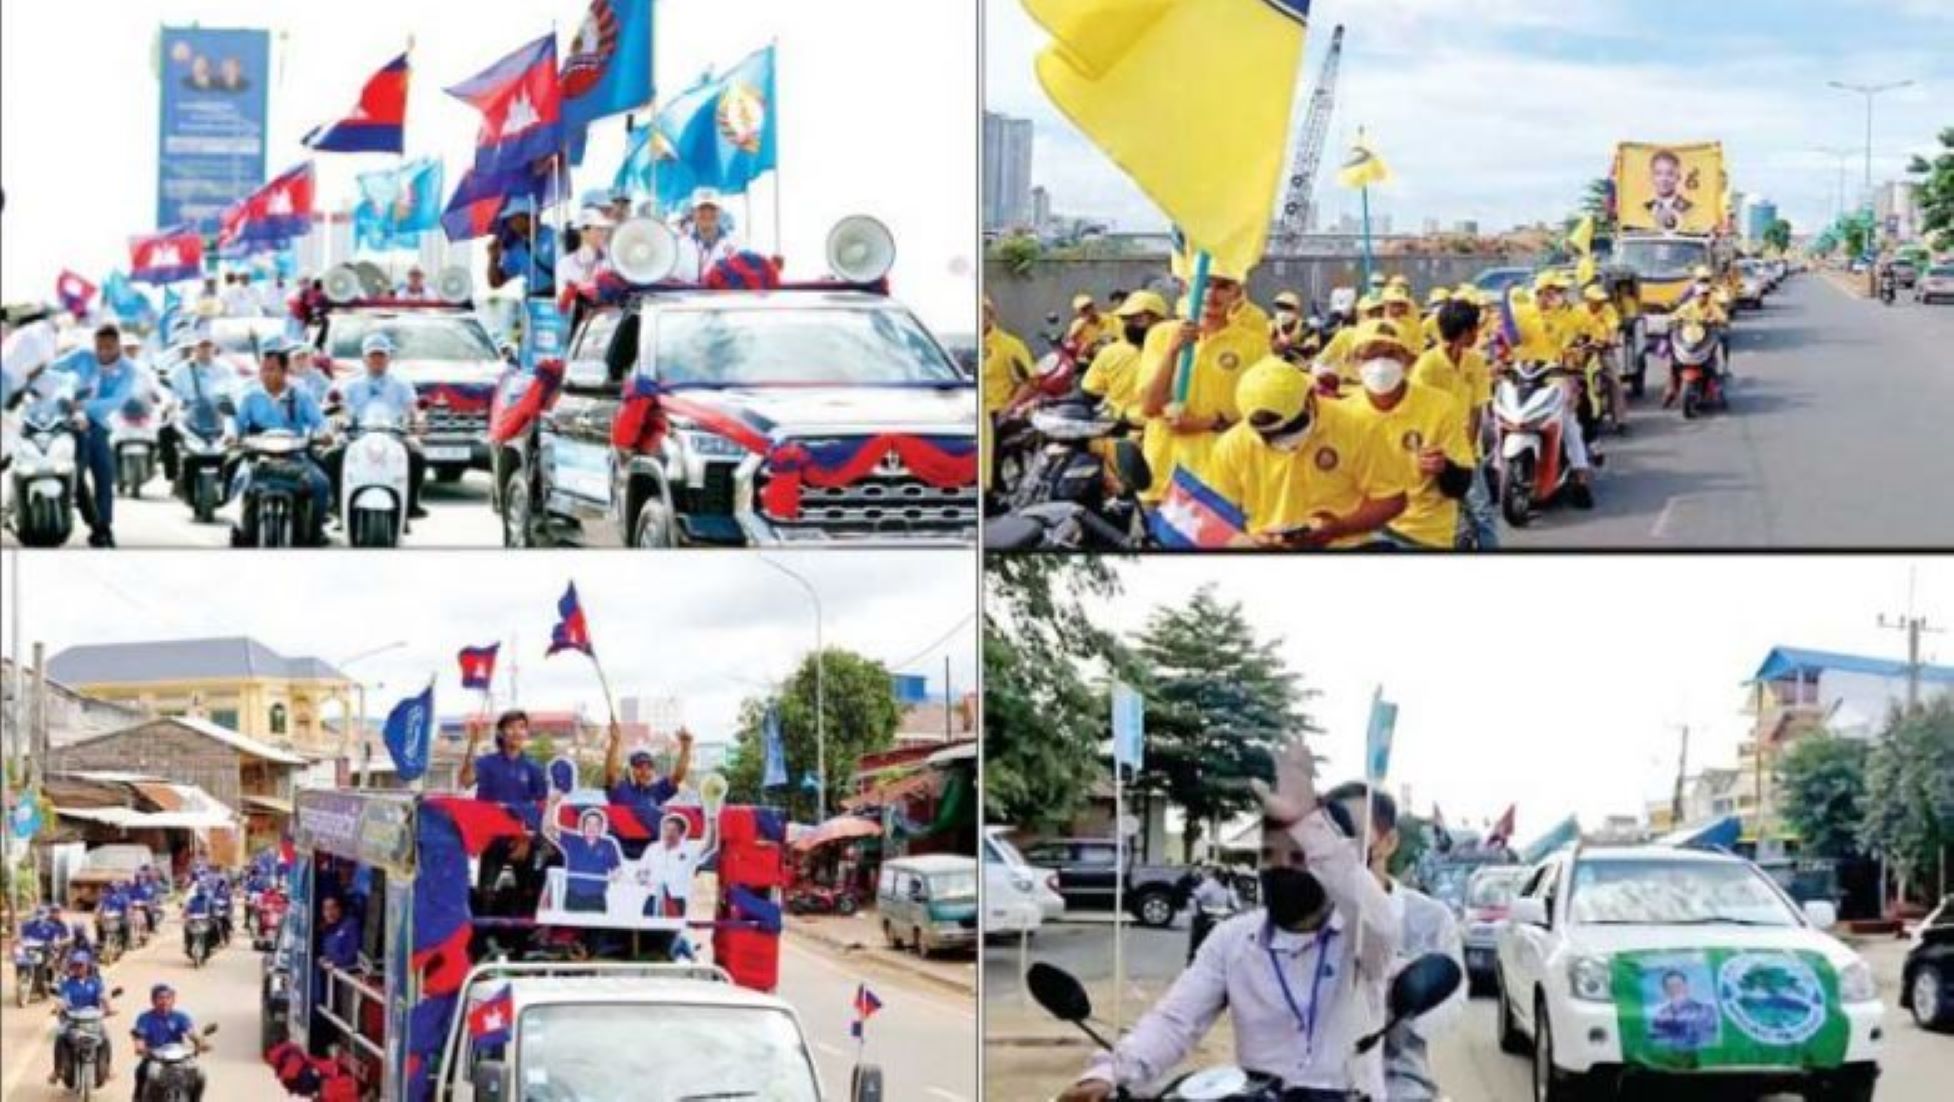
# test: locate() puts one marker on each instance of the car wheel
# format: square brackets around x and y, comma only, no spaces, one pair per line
[1550,1084]
[1511,1040]
[1933,1000]
[889,935]
[520,528]
[1155,909]
[916,942]
[653,527]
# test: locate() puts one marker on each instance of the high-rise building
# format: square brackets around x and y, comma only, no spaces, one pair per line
[1430,226]
[1041,208]
[1758,215]
[1007,172]
[1469,226]
[1896,205]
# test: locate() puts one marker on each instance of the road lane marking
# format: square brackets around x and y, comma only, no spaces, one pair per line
[831,1050]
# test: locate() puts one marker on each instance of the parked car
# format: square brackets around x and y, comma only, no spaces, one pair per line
[928,903]
[1935,285]
[1905,273]
[1154,894]
[1019,897]
[1927,978]
[1637,968]
[1488,895]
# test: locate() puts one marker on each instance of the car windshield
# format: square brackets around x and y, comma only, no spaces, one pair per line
[1945,271]
[424,337]
[1492,891]
[1005,851]
[600,1053]
[1676,893]
[1449,885]
[1499,279]
[1663,259]
[844,347]
[950,887]
[238,336]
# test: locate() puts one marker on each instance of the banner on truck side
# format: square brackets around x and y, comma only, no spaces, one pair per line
[1670,188]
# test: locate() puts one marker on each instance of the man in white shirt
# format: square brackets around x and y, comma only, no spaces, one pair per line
[669,864]
[581,268]
[703,238]
[416,288]
[239,302]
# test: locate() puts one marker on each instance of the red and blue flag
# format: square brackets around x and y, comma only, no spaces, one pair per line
[489,1020]
[1195,515]
[377,123]
[521,101]
[271,215]
[478,199]
[570,632]
[74,292]
[166,257]
[866,1004]
[478,666]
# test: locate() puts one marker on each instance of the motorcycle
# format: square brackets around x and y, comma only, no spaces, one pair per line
[133,442]
[114,935]
[83,1037]
[203,442]
[1532,460]
[1887,288]
[33,971]
[173,1072]
[142,920]
[1694,353]
[1079,490]
[43,472]
[817,899]
[266,916]
[197,935]
[277,505]
[373,480]
[1418,988]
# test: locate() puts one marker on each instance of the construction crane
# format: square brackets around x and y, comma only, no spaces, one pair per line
[1298,201]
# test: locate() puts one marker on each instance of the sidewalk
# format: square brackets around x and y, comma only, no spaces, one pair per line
[860,934]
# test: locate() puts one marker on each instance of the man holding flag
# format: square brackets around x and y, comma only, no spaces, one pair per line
[1185,421]
[507,776]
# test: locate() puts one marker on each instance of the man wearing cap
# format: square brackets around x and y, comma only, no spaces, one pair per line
[1539,344]
[1087,328]
[1334,364]
[1288,336]
[581,267]
[1424,428]
[1114,374]
[1456,366]
[1005,378]
[1231,335]
[1601,326]
[163,1024]
[376,389]
[80,989]
[703,239]
[276,405]
[196,382]
[521,249]
[104,380]
[643,790]
[305,374]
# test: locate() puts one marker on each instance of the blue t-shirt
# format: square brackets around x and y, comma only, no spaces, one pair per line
[197,904]
[590,862]
[507,780]
[81,991]
[293,411]
[647,800]
[43,929]
[155,1029]
[341,944]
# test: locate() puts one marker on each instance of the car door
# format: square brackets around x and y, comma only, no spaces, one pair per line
[574,454]
[1095,872]
[1526,946]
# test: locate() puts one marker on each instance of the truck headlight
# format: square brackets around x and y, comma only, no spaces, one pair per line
[1588,979]
[1856,983]
[709,444]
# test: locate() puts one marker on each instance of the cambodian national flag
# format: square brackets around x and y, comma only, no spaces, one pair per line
[1194,515]
[490,1019]
[273,214]
[478,666]
[866,1004]
[570,633]
[521,101]
[165,257]
[478,199]
[377,123]
[74,292]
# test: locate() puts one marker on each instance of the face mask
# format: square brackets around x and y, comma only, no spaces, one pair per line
[1291,895]
[1291,437]
[1381,375]
[1135,334]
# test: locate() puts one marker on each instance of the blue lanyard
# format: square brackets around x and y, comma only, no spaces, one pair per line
[1304,1022]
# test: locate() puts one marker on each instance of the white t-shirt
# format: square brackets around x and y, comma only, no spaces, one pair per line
[581,267]
[695,258]
[240,301]
[670,869]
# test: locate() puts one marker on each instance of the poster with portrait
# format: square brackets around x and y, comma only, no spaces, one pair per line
[1722,1007]
[1670,188]
[211,123]
[626,866]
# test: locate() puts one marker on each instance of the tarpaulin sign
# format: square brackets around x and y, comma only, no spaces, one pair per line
[545,332]
[1681,1010]
[210,149]
[1670,188]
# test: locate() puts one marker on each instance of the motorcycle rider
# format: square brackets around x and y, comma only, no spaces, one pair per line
[1231,335]
[1087,329]
[1314,960]
[276,405]
[376,388]
[303,371]
[220,905]
[114,901]
[1707,304]
[196,381]
[44,926]
[644,790]
[1601,328]
[1006,378]
[195,905]
[1425,427]
[80,989]
[143,896]
[1114,376]
[1304,468]
[163,1024]
[1213,899]
[105,379]
[1538,344]
[1455,365]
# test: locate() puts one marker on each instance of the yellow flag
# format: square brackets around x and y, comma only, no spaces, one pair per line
[1582,239]
[1190,98]
[1363,167]
[1584,269]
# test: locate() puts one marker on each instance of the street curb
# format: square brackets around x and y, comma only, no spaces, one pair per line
[1032,1041]
[893,960]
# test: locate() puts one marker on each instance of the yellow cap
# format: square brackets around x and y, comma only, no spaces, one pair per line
[1142,302]
[1439,296]
[1382,334]
[1369,303]
[1470,293]
[1081,300]
[1290,299]
[1275,388]
[1396,293]
[1399,279]
[1594,293]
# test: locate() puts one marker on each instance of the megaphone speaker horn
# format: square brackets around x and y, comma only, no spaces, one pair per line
[343,284]
[644,250]
[454,284]
[861,249]
[373,280]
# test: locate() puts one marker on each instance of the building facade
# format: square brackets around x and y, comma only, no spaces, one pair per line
[1007,172]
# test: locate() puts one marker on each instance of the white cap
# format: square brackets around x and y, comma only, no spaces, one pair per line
[376,342]
[704,196]
[592,218]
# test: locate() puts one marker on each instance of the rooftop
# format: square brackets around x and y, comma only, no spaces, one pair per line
[1783,662]
[243,744]
[183,660]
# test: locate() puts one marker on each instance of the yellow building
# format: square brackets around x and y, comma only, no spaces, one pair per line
[236,682]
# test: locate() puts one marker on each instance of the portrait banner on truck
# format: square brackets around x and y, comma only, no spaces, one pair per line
[612,879]
[1670,188]
[1707,1008]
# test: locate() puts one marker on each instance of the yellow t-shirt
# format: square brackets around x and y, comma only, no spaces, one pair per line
[1425,417]
[1219,361]
[1115,377]
[1469,381]
[1007,364]
[1336,354]
[1337,467]
[1083,333]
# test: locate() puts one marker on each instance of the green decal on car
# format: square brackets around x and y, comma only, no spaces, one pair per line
[1680,1010]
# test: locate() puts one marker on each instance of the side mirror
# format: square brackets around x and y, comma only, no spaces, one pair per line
[1419,988]
[210,1029]
[1527,911]
[1821,913]
[115,993]
[487,1079]
[1059,992]
[865,1084]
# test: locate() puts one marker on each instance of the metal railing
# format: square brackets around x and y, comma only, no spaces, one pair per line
[339,985]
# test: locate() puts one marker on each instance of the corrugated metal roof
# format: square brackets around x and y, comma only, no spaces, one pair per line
[181,660]
[1784,661]
[243,744]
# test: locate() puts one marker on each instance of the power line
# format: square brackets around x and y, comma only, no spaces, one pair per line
[935,643]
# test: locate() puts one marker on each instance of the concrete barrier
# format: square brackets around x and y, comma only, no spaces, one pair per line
[1024,300]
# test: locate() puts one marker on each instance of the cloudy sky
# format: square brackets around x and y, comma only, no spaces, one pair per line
[864,128]
[1554,682]
[710,628]
[1503,110]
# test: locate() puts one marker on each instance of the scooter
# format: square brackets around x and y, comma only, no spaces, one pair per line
[1533,467]
[133,442]
[1418,988]
[1079,489]
[33,976]
[173,1072]
[114,935]
[83,1036]
[1888,289]
[816,899]
[374,480]
[197,931]
[266,917]
[43,472]
[203,443]
[277,506]
[1694,351]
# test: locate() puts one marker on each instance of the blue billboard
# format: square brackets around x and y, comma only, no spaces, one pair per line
[210,148]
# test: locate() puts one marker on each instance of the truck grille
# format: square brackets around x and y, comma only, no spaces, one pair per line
[890,502]
[457,410]
[450,422]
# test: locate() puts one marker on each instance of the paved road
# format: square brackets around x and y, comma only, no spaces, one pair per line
[1837,436]
[925,1038]
[458,516]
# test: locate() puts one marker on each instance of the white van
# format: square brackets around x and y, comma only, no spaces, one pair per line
[1018,896]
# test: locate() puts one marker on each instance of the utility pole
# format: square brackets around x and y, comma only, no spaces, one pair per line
[949,701]
[1870,91]
[1682,773]
[1914,626]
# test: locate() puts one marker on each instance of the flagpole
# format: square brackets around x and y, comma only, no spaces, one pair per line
[1119,881]
[1370,795]
[1365,192]
[1197,297]
[773,62]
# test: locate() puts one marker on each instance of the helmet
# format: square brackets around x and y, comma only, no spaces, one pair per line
[1273,392]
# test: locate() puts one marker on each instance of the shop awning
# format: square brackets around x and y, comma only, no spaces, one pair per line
[840,828]
[922,782]
[130,819]
[269,803]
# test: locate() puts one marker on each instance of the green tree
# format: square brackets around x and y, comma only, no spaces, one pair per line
[1824,784]
[1778,235]
[1219,703]
[1856,233]
[1598,200]
[1044,721]
[1414,841]
[1910,791]
[1019,253]
[859,716]
[1936,196]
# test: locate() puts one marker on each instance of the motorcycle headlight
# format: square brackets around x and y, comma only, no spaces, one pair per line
[709,444]
[1588,979]
[1856,983]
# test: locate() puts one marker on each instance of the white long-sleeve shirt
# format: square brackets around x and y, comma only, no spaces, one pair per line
[1335,979]
[1425,926]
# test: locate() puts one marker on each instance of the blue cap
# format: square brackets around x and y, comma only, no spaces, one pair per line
[161,989]
[517,204]
[640,757]
[79,956]
[376,342]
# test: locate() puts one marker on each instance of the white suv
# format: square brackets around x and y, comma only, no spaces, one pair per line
[1019,897]
[1625,969]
